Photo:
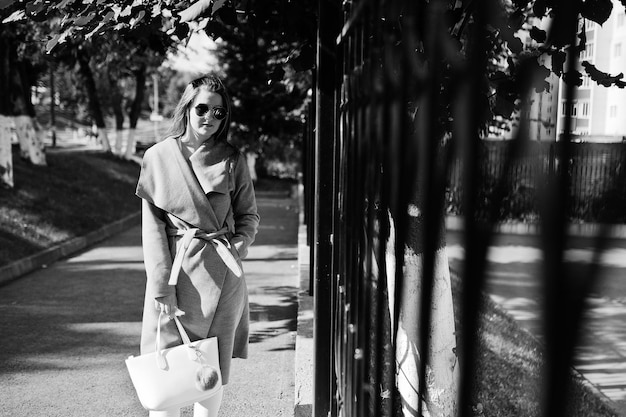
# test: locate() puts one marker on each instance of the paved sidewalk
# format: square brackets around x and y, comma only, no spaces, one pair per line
[514,281]
[67,329]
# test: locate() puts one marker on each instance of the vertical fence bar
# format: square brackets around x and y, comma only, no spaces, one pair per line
[559,332]
[324,381]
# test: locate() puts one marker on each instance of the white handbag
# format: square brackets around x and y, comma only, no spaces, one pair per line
[177,376]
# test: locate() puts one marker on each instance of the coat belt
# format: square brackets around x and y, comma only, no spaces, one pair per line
[219,241]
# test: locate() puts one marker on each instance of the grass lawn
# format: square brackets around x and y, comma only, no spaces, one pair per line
[509,369]
[79,192]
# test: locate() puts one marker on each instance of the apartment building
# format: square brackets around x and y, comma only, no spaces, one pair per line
[598,113]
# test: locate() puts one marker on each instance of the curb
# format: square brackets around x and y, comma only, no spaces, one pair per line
[614,231]
[303,398]
[23,266]
[305,346]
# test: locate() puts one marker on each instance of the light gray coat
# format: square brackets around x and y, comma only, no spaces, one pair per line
[210,191]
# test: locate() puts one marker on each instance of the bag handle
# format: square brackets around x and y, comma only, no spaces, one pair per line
[160,358]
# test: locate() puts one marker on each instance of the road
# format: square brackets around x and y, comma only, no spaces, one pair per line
[514,281]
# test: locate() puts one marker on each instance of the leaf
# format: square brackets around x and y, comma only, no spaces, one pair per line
[108,17]
[538,35]
[64,4]
[135,20]
[503,107]
[514,44]
[573,77]
[15,16]
[126,12]
[156,10]
[558,59]
[57,39]
[582,35]
[34,8]
[6,3]
[531,74]
[539,8]
[597,10]
[602,78]
[218,4]
[181,31]
[195,10]
[83,20]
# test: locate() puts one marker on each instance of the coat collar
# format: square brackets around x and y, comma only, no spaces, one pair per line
[168,181]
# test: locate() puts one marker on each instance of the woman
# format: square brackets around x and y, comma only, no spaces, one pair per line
[197,194]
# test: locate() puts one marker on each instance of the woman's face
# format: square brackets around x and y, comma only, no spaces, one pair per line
[202,121]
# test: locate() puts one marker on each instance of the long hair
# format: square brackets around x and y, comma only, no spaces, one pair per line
[181,113]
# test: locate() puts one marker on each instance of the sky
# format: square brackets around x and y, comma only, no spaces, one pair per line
[197,57]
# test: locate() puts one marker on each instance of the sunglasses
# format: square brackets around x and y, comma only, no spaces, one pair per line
[218,112]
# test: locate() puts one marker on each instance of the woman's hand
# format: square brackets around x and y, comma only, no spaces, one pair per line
[168,304]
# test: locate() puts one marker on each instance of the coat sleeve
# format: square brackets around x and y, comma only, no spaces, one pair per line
[244,208]
[156,251]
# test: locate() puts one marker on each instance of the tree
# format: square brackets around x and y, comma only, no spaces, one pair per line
[20,65]
[140,32]
[276,40]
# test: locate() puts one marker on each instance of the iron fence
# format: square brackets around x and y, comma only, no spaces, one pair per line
[596,194]
[375,179]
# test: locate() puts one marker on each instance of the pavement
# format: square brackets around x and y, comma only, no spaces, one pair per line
[513,280]
[67,327]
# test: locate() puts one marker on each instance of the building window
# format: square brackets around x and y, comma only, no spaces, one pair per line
[617,49]
[573,109]
[620,19]
[613,111]
[584,109]
[588,52]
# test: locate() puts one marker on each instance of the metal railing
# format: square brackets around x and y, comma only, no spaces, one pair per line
[376,171]
[595,193]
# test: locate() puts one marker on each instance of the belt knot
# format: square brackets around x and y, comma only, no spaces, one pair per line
[217,239]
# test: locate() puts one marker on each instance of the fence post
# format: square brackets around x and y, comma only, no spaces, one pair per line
[325,138]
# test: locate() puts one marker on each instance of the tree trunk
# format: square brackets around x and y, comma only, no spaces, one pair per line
[16,79]
[6,158]
[94,101]
[6,107]
[26,128]
[31,145]
[442,370]
[135,110]
[25,79]
[140,94]
[118,111]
